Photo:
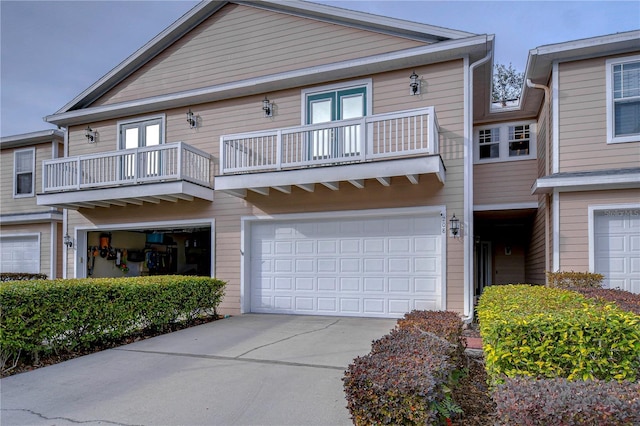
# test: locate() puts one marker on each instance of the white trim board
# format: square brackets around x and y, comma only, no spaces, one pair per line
[506,206]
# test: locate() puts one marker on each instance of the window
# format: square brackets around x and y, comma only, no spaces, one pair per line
[331,103]
[489,141]
[505,142]
[143,132]
[623,99]
[24,166]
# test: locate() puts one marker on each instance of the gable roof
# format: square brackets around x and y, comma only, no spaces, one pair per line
[390,26]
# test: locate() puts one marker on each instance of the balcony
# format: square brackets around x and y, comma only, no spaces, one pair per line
[168,172]
[377,147]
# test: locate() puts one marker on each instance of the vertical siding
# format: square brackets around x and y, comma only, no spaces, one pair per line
[574,220]
[506,182]
[582,121]
[444,92]
[242,42]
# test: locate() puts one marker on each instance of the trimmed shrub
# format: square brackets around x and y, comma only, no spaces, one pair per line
[49,316]
[625,300]
[21,276]
[444,324]
[528,402]
[546,332]
[401,381]
[574,279]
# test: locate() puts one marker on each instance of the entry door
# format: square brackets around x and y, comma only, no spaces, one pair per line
[484,267]
[332,106]
[138,135]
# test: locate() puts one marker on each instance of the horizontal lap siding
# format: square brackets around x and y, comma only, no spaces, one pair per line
[12,205]
[505,182]
[574,223]
[390,93]
[582,121]
[242,42]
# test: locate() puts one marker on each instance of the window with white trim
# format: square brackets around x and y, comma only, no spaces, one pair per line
[24,164]
[623,99]
[139,133]
[505,142]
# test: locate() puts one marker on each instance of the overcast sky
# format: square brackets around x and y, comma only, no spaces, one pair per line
[51,51]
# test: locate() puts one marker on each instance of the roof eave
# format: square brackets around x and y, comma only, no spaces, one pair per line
[32,138]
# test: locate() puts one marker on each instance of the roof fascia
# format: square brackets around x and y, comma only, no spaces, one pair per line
[439,52]
[585,183]
[33,138]
[361,20]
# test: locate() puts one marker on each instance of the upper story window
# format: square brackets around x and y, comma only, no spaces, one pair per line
[623,99]
[505,142]
[141,132]
[24,164]
[332,103]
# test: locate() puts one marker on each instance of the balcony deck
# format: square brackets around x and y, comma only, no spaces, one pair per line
[167,172]
[378,147]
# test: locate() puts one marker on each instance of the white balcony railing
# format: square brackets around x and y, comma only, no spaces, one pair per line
[363,139]
[160,163]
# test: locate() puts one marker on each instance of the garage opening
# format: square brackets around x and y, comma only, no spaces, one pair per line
[379,266]
[153,251]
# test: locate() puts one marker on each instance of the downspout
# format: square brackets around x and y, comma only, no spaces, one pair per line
[468,233]
[65,213]
[547,147]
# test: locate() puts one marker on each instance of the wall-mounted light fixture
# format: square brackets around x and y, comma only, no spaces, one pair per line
[90,134]
[68,241]
[454,226]
[267,107]
[192,119]
[414,84]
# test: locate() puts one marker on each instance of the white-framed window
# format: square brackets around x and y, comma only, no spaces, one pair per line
[24,165]
[505,142]
[140,133]
[623,99]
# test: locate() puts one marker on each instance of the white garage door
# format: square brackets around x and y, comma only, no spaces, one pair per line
[617,248]
[20,254]
[370,266]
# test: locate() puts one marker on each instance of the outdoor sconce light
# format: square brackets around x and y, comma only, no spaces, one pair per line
[68,241]
[90,134]
[267,107]
[414,84]
[192,120]
[454,226]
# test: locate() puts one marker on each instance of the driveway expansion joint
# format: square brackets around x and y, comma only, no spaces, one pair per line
[43,417]
[289,338]
[236,359]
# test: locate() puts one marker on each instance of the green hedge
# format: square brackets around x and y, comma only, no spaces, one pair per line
[48,316]
[548,332]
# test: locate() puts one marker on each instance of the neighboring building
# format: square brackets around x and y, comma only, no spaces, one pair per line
[30,235]
[589,169]
[313,158]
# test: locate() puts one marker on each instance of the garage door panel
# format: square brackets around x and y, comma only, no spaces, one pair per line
[359,266]
[20,253]
[617,248]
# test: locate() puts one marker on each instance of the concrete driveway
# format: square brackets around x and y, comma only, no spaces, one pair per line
[245,370]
